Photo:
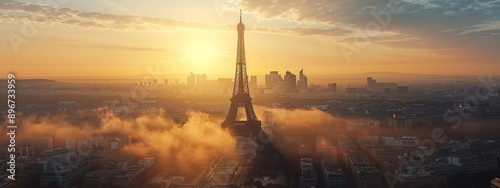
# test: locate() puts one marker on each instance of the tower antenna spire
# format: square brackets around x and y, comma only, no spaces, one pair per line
[240,15]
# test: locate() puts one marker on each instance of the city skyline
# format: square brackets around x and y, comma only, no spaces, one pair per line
[126,94]
[73,39]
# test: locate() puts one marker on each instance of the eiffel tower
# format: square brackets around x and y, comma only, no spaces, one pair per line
[241,96]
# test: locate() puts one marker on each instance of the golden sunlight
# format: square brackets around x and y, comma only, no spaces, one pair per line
[200,55]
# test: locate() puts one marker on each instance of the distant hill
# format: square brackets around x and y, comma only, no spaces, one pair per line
[30,81]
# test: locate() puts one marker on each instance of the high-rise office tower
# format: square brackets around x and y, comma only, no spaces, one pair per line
[191,79]
[370,82]
[332,87]
[273,79]
[201,79]
[290,81]
[253,82]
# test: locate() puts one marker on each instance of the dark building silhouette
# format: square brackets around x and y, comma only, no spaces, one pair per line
[302,82]
[332,87]
[371,83]
[290,82]
[273,79]
[253,82]
[191,79]
[201,79]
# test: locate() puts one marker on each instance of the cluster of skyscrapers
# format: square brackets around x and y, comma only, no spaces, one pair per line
[374,87]
[276,84]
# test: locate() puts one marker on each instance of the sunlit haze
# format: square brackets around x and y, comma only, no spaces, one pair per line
[88,39]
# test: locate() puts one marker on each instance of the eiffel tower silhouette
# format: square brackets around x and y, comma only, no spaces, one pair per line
[241,95]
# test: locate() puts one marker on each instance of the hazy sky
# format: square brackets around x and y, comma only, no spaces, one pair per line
[99,38]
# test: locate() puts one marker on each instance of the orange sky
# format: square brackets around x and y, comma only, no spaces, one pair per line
[124,39]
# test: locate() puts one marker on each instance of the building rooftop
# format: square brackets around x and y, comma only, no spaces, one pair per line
[331,166]
[307,169]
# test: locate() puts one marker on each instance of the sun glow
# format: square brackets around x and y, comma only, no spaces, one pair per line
[200,56]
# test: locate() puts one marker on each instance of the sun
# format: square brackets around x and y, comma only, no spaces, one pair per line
[200,56]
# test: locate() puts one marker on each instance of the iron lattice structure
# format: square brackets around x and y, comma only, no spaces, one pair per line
[241,93]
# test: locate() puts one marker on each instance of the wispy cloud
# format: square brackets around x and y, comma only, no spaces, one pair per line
[490,27]
[430,24]
[16,12]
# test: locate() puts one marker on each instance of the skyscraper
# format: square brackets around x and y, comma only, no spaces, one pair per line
[290,81]
[191,79]
[201,79]
[273,79]
[332,87]
[370,82]
[253,82]
[302,83]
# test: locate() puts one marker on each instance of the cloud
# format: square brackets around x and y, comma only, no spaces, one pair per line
[127,47]
[417,23]
[455,26]
[194,143]
[16,12]
[44,14]
[491,27]
[180,147]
